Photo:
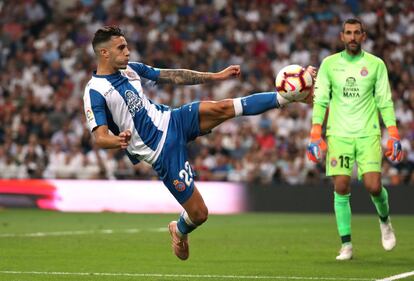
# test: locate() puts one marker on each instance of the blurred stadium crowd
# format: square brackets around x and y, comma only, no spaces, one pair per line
[46,59]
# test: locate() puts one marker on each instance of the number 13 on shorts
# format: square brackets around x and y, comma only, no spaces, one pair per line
[343,152]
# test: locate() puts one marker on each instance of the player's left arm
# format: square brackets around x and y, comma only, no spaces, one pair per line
[386,107]
[191,77]
[320,96]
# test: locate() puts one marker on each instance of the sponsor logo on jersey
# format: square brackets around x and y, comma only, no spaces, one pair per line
[334,162]
[134,102]
[339,69]
[351,89]
[364,71]
[179,185]
[109,91]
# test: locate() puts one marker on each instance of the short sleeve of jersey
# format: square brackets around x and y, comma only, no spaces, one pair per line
[145,71]
[94,106]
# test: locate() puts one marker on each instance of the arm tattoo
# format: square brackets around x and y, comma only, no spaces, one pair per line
[183,76]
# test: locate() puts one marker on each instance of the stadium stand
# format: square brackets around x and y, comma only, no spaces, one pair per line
[46,59]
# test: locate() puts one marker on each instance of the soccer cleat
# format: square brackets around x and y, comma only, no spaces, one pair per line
[345,253]
[387,235]
[179,244]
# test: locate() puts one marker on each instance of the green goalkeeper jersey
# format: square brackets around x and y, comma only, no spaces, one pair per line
[354,88]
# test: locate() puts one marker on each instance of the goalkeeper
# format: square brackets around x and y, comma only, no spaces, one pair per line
[354,84]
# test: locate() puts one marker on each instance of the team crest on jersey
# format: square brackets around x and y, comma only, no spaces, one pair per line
[179,185]
[134,102]
[334,162]
[364,71]
[131,75]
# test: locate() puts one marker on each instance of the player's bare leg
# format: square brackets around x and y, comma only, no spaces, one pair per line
[213,113]
[195,214]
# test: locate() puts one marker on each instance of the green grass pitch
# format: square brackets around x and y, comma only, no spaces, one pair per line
[40,245]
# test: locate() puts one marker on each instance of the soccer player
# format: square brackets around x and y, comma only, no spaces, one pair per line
[114,102]
[354,84]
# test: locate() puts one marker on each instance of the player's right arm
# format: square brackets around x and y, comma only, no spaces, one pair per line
[105,140]
[322,91]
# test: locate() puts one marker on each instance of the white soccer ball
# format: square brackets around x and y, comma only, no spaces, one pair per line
[294,83]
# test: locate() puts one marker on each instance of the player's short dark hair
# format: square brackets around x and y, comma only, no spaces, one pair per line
[353,21]
[104,34]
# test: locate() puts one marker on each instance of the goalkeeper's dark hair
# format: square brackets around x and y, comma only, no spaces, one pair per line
[104,34]
[353,21]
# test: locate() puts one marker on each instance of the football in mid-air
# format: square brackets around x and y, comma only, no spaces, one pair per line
[293,82]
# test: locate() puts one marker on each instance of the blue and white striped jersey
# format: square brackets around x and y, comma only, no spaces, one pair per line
[118,101]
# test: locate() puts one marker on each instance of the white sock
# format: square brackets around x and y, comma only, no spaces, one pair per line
[238,108]
[281,100]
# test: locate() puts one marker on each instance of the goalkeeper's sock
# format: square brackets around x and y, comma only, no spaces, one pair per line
[258,103]
[381,204]
[184,224]
[343,216]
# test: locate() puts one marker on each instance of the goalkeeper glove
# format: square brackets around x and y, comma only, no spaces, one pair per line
[317,145]
[394,149]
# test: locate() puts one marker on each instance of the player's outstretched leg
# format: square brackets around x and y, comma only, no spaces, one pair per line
[195,214]
[213,113]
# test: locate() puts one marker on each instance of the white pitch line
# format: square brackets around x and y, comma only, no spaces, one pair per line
[398,276]
[82,232]
[195,276]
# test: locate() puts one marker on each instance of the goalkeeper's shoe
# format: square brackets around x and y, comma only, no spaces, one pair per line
[387,235]
[345,253]
[179,244]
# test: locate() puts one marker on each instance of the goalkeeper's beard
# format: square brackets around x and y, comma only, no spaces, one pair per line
[354,50]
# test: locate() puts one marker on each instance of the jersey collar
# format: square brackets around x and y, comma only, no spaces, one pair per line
[350,58]
[113,75]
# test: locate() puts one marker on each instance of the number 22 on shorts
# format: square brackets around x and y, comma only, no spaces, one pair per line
[186,174]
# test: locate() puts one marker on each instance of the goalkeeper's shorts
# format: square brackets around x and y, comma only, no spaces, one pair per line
[344,152]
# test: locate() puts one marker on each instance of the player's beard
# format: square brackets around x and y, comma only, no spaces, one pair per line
[119,63]
[122,65]
[353,49]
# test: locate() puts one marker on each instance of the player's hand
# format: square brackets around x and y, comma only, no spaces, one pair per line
[232,71]
[317,145]
[125,137]
[394,149]
[312,71]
